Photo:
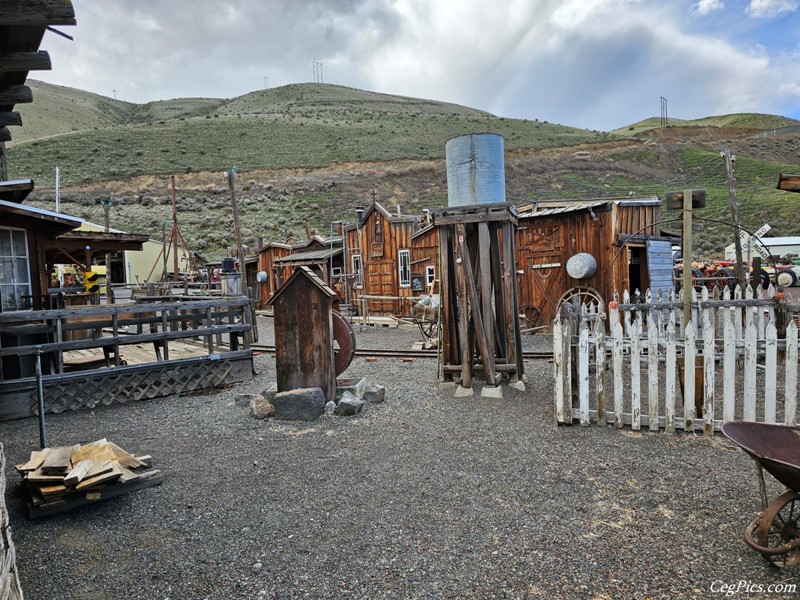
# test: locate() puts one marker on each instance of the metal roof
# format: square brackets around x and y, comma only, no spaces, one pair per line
[304,258]
[558,207]
[562,209]
[40,213]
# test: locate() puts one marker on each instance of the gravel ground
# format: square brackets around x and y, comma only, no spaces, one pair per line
[424,496]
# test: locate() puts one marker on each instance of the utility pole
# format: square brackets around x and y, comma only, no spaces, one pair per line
[231,175]
[266,82]
[664,117]
[737,239]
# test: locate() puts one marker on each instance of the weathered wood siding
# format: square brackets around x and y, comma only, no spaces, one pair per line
[424,254]
[304,337]
[275,276]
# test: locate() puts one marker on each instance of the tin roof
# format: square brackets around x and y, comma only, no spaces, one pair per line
[306,258]
[546,208]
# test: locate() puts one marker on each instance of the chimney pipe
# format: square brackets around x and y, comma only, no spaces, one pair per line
[360,213]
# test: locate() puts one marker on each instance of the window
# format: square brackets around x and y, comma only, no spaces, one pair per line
[404,262]
[430,275]
[15,279]
[336,272]
[358,272]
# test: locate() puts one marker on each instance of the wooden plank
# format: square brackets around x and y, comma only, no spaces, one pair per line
[111,490]
[558,371]
[124,458]
[37,12]
[689,355]
[583,374]
[636,374]
[750,356]
[600,370]
[617,366]
[34,462]
[58,460]
[709,357]
[78,472]
[771,373]
[97,451]
[652,372]
[789,183]
[16,94]
[729,371]
[670,376]
[10,118]
[14,62]
[791,374]
[39,476]
[100,473]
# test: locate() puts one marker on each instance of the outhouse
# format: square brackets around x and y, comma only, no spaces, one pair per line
[303,321]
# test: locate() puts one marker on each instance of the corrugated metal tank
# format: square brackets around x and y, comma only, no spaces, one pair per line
[475,169]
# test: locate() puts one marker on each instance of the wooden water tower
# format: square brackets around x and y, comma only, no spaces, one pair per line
[480,316]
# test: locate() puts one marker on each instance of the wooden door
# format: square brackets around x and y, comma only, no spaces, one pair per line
[380,281]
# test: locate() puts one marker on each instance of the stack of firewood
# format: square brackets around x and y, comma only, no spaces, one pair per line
[57,479]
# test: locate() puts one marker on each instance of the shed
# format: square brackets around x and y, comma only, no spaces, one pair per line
[622,236]
[303,322]
[424,259]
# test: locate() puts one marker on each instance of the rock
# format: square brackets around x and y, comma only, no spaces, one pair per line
[270,392]
[257,567]
[330,408]
[305,404]
[245,399]
[375,394]
[261,408]
[349,405]
[355,386]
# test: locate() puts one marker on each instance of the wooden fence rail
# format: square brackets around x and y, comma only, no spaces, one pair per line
[736,360]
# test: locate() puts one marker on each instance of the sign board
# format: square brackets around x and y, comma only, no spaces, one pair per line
[745,237]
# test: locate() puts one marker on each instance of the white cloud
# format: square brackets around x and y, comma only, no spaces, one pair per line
[704,7]
[767,9]
[598,64]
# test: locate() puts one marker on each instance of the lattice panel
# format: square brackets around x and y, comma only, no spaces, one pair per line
[117,385]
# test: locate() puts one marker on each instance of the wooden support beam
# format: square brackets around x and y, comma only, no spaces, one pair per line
[463,316]
[10,118]
[25,61]
[5,134]
[16,94]
[37,12]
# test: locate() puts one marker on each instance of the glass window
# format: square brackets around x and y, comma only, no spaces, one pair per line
[14,269]
[404,262]
[358,272]
[430,275]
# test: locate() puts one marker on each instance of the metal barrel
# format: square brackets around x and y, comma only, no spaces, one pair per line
[475,169]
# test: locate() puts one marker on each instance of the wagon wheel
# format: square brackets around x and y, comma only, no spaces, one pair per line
[429,329]
[532,316]
[786,278]
[344,343]
[775,533]
[586,296]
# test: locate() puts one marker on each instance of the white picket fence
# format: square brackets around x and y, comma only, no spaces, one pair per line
[638,358]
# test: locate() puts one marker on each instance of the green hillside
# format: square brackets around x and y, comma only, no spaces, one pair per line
[308,154]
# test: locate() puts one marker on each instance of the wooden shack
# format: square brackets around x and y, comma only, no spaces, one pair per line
[424,259]
[622,236]
[378,253]
[304,351]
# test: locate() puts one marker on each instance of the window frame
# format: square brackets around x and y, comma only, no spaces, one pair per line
[404,270]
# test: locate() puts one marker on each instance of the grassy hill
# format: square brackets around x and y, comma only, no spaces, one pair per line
[307,154]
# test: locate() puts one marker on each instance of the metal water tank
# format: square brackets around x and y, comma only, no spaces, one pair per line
[581,265]
[475,169]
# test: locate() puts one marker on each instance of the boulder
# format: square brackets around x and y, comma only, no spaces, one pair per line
[330,408]
[261,408]
[375,394]
[305,404]
[349,405]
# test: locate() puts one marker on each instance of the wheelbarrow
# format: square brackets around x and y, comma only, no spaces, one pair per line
[775,532]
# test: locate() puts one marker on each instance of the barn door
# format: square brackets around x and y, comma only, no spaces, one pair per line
[380,282]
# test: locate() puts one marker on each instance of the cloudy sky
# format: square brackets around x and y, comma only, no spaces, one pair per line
[598,64]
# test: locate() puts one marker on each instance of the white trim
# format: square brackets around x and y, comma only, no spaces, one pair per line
[404,269]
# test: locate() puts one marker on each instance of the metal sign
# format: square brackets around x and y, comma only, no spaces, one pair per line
[745,237]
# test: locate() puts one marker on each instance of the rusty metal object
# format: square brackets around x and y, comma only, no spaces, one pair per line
[344,343]
[775,532]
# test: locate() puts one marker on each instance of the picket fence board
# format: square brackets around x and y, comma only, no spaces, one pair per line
[724,338]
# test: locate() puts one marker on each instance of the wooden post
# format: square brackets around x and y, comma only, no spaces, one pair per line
[237,230]
[174,234]
[737,240]
[687,257]
[463,316]
[3,162]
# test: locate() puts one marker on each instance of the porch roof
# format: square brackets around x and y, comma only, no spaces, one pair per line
[309,258]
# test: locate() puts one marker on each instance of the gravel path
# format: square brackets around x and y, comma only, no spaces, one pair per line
[424,496]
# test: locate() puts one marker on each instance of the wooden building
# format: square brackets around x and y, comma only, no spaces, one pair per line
[622,237]
[324,256]
[304,350]
[378,256]
[424,260]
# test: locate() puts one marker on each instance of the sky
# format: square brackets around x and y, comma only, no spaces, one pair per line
[595,64]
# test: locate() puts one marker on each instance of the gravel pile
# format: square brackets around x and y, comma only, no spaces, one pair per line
[423,496]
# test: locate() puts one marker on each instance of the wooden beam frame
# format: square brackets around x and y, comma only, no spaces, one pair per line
[25,61]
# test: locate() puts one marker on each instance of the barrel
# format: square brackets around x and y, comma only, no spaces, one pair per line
[475,169]
[581,265]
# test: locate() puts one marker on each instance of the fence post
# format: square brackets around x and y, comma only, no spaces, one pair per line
[652,372]
[709,352]
[729,370]
[558,369]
